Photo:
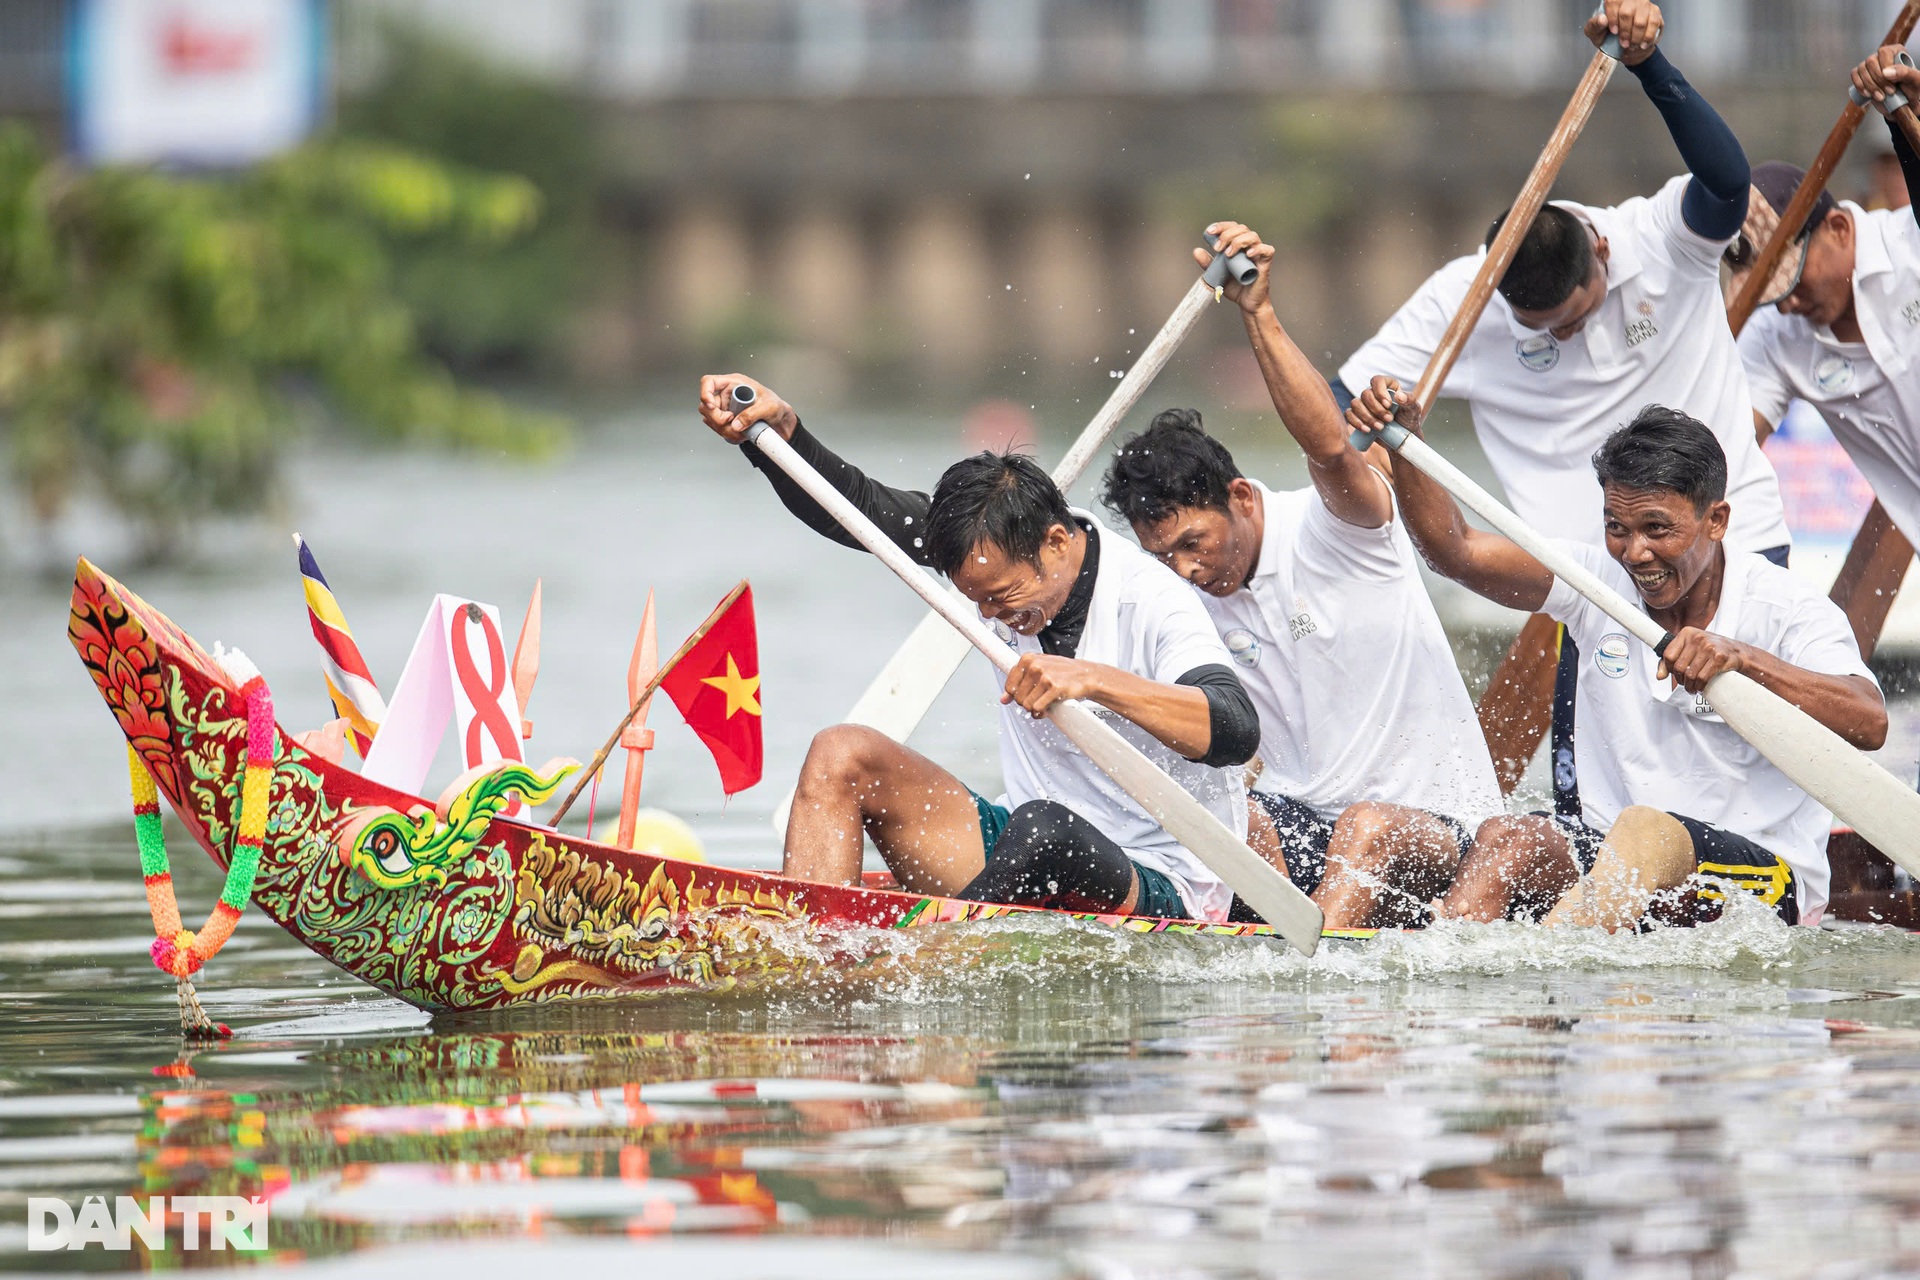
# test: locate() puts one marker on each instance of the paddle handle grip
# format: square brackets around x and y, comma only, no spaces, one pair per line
[1893,101]
[1611,44]
[1237,267]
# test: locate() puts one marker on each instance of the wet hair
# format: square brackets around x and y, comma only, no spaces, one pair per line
[1172,464]
[1000,498]
[1555,257]
[1663,448]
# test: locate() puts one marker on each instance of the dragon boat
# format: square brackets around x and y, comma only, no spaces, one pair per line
[468,909]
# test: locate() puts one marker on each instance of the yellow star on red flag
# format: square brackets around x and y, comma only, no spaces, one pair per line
[741,690]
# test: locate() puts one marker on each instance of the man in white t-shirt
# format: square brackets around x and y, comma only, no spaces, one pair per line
[1846,337]
[1603,310]
[1666,787]
[1374,770]
[1094,618]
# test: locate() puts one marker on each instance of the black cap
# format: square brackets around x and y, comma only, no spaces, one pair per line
[1773,186]
[1776,180]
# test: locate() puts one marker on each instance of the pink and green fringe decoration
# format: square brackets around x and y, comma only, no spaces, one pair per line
[178,950]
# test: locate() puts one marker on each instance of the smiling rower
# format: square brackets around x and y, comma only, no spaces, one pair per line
[1093,618]
[1603,310]
[1666,787]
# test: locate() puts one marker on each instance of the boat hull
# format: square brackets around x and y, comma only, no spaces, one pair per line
[523,915]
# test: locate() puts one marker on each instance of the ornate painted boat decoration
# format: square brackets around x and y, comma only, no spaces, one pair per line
[471,911]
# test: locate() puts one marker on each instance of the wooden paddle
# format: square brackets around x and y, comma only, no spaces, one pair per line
[1877,560]
[919,669]
[1278,901]
[1514,709]
[1795,215]
[1880,807]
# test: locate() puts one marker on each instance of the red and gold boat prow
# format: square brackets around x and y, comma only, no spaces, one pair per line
[491,911]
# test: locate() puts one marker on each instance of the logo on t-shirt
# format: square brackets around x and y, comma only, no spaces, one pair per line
[1300,625]
[1538,353]
[1701,707]
[1244,646]
[1611,656]
[1638,331]
[1911,312]
[1833,373]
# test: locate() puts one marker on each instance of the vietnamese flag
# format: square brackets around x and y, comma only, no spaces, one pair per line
[717,688]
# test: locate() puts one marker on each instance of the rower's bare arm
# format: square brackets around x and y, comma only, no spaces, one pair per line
[1481,561]
[717,411]
[1178,715]
[1851,706]
[1353,490]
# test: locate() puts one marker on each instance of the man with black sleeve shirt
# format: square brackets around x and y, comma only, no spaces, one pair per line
[1093,618]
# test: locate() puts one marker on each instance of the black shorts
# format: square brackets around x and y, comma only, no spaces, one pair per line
[1305,835]
[1717,853]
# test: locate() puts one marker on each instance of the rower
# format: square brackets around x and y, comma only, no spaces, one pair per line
[1844,334]
[1374,771]
[1666,787]
[1602,311]
[1094,618]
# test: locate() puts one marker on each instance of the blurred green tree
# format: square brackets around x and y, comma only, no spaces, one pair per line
[155,329]
[506,304]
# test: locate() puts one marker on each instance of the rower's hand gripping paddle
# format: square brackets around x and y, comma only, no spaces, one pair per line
[901,694]
[1278,901]
[1882,809]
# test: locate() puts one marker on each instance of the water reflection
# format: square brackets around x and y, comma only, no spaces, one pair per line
[1739,1099]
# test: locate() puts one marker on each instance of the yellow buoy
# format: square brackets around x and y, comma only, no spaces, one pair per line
[657,831]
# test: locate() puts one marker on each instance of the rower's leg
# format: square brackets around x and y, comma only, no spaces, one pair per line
[1051,856]
[1645,852]
[1516,865]
[857,780]
[1384,864]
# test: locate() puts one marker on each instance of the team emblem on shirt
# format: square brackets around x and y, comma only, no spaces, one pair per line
[1300,622]
[1833,373]
[1611,656]
[1538,353]
[1640,330]
[1244,646]
[1911,312]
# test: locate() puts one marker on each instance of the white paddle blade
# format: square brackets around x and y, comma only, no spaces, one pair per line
[1277,899]
[900,696]
[1882,809]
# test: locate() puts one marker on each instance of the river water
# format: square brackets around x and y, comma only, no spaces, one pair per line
[1033,1099]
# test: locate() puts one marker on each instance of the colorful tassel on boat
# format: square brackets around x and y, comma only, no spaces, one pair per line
[178,950]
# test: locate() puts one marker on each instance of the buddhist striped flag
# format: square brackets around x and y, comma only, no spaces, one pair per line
[348,681]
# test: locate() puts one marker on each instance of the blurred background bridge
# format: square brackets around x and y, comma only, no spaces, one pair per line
[950,194]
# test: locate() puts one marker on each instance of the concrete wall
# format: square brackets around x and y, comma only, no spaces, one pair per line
[968,241]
